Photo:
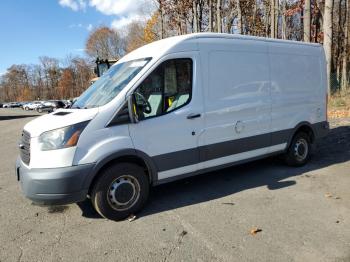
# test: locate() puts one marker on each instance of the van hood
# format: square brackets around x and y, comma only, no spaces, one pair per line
[58,119]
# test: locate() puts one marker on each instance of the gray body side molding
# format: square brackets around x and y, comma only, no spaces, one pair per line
[171,160]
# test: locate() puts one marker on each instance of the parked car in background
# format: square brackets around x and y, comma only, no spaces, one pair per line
[11,105]
[68,103]
[21,104]
[32,105]
[50,106]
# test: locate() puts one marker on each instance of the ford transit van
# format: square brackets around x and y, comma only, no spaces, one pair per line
[175,108]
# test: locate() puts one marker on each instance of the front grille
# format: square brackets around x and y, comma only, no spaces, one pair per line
[25,147]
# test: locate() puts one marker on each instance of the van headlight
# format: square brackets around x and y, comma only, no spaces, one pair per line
[61,138]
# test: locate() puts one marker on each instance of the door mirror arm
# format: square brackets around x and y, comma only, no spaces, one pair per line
[132,109]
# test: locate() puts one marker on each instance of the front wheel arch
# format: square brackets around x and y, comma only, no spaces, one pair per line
[126,156]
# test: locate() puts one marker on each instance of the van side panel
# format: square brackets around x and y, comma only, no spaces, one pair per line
[237,101]
[297,87]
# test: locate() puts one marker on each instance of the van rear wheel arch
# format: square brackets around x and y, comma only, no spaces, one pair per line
[304,127]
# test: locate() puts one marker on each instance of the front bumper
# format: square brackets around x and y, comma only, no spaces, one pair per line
[54,186]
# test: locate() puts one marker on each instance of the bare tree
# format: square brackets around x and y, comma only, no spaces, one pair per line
[161,15]
[328,34]
[273,19]
[277,13]
[51,71]
[346,47]
[210,15]
[283,18]
[218,16]
[195,16]
[239,17]
[135,35]
[307,21]
[105,43]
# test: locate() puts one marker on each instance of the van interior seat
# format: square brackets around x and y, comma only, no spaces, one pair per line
[179,100]
[155,100]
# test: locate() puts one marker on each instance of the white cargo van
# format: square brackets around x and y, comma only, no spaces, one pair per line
[172,109]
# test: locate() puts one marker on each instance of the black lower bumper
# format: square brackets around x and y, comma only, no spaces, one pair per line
[53,186]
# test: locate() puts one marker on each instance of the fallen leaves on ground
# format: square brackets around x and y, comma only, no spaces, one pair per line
[255,230]
[183,233]
[338,113]
[131,218]
[330,195]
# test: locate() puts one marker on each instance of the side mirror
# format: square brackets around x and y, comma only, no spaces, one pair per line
[132,109]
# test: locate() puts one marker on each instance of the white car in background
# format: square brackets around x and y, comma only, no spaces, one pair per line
[32,105]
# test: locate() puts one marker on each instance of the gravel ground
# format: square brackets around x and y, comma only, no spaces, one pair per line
[303,213]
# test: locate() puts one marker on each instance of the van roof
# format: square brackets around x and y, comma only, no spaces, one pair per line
[248,37]
[160,47]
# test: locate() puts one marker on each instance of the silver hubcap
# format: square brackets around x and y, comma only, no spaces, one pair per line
[301,149]
[123,192]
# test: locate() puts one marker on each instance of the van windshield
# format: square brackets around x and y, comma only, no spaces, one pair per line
[110,84]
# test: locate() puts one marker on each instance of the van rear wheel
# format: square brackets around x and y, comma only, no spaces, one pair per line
[298,153]
[121,190]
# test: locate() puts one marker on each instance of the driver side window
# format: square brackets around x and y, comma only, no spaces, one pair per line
[166,89]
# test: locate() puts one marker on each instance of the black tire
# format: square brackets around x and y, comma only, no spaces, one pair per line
[40,110]
[133,184]
[299,151]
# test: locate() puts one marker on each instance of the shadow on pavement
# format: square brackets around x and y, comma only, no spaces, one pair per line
[331,150]
[15,117]
[87,209]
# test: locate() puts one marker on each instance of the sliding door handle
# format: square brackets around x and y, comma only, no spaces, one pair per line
[191,116]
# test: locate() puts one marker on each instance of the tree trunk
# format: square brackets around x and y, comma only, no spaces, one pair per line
[161,13]
[254,18]
[267,20]
[327,41]
[307,21]
[239,17]
[195,16]
[218,16]
[284,25]
[317,23]
[273,16]
[230,18]
[277,11]
[346,44]
[337,48]
[210,6]
[200,16]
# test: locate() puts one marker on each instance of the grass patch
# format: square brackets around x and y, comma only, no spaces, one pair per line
[339,100]
[339,105]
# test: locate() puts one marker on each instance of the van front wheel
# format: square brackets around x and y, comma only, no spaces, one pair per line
[121,190]
[298,152]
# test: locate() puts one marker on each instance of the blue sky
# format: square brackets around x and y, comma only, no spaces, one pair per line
[55,28]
